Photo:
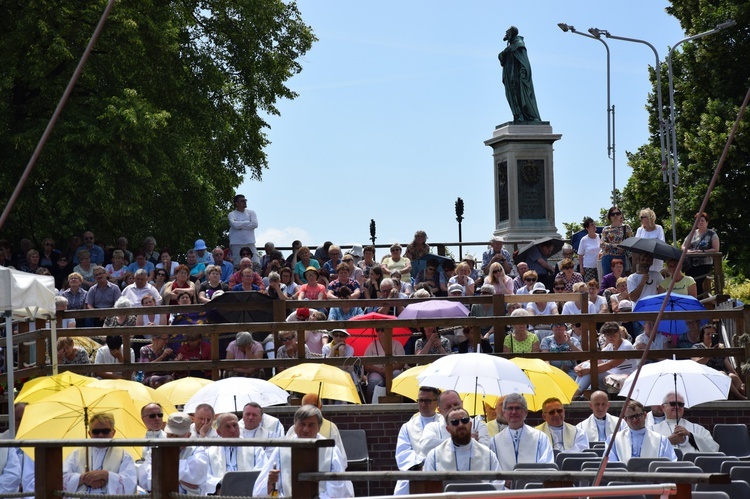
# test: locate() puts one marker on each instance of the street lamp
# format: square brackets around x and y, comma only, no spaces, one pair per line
[666,172]
[675,162]
[610,108]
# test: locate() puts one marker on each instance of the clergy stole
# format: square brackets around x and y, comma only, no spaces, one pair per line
[325,463]
[112,460]
[649,447]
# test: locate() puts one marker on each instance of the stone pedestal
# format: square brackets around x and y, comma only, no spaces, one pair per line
[524,181]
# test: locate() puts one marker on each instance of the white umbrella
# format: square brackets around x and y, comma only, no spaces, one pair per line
[231,395]
[697,383]
[477,373]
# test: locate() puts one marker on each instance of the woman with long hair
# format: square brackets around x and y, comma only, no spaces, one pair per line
[612,235]
[502,284]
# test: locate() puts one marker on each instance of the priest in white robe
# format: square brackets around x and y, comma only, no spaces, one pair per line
[109,470]
[435,433]
[682,434]
[230,458]
[638,441]
[519,442]
[276,473]
[600,425]
[461,452]
[409,454]
[563,436]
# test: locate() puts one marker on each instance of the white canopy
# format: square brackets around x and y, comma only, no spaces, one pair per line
[27,295]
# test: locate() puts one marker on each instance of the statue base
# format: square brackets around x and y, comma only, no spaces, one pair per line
[522,155]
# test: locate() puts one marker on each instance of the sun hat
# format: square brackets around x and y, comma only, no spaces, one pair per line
[178,424]
[200,245]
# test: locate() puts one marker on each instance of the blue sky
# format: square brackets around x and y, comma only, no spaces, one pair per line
[397,97]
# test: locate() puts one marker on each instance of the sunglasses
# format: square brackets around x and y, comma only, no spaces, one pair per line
[552,412]
[156,415]
[616,213]
[678,404]
[339,335]
[456,422]
[495,271]
[101,431]
[288,338]
[633,417]
[529,279]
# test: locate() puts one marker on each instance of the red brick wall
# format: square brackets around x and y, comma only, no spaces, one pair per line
[382,423]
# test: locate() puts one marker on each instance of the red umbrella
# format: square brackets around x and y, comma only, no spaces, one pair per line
[361,338]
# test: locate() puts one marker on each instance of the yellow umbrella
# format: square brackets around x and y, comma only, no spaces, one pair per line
[140,393]
[548,381]
[406,384]
[328,382]
[39,388]
[87,343]
[65,415]
[180,390]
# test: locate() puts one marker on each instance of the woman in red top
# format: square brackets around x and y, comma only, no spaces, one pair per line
[181,281]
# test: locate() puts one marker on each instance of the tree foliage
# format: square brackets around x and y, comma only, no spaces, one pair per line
[166,119]
[711,78]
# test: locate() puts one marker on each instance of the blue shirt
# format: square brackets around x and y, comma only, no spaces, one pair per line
[133,267]
[96,252]
[227,269]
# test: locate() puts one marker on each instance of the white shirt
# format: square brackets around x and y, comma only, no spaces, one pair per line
[242,225]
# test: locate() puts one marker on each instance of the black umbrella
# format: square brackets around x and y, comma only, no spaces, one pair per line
[557,246]
[656,247]
[244,306]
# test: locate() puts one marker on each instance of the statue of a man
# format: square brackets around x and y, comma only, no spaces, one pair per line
[519,89]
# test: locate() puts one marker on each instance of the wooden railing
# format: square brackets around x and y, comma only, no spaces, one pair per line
[280,310]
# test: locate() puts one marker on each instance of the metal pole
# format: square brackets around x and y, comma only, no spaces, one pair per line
[610,108]
[9,363]
[663,138]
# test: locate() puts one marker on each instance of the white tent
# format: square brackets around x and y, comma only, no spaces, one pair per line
[23,295]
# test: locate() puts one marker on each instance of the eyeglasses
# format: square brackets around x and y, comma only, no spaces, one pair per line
[338,335]
[678,404]
[156,415]
[559,288]
[514,408]
[347,260]
[101,431]
[529,279]
[244,254]
[288,338]
[48,244]
[644,217]
[456,422]
[633,417]
[553,412]
[426,401]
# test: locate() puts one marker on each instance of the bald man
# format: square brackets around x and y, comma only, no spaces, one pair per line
[600,425]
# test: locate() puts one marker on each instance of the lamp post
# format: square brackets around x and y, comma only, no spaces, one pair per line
[610,108]
[675,162]
[663,138]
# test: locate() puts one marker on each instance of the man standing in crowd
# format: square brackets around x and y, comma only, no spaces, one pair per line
[95,252]
[563,436]
[600,425]
[242,225]
[409,454]
[496,253]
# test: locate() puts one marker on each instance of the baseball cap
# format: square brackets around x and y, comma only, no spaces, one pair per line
[455,288]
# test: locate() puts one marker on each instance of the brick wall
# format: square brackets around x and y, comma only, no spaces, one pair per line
[382,423]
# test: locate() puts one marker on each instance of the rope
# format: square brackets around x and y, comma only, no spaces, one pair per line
[16,494]
[62,493]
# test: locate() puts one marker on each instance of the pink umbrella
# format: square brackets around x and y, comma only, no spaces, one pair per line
[361,338]
[434,309]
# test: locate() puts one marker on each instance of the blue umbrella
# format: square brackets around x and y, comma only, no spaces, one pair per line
[675,303]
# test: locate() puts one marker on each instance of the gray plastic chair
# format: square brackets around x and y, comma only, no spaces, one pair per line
[712,464]
[692,456]
[575,463]
[521,483]
[469,487]
[355,445]
[740,473]
[669,464]
[735,490]
[716,494]
[239,483]
[565,454]
[642,463]
[726,466]
[733,439]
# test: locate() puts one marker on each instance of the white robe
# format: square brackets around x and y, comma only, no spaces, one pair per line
[472,457]
[247,459]
[329,459]
[26,467]
[435,433]
[591,429]
[702,437]
[654,445]
[193,468]
[122,476]
[272,425]
[574,439]
[494,427]
[408,448]
[329,430]
[10,476]
[533,447]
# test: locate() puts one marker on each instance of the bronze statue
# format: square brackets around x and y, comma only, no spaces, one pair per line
[519,89]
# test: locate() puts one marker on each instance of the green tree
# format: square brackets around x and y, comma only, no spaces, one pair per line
[167,118]
[711,77]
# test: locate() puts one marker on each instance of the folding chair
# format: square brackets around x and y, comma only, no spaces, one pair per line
[712,464]
[642,463]
[355,445]
[522,483]
[691,456]
[733,439]
[239,483]
[469,487]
